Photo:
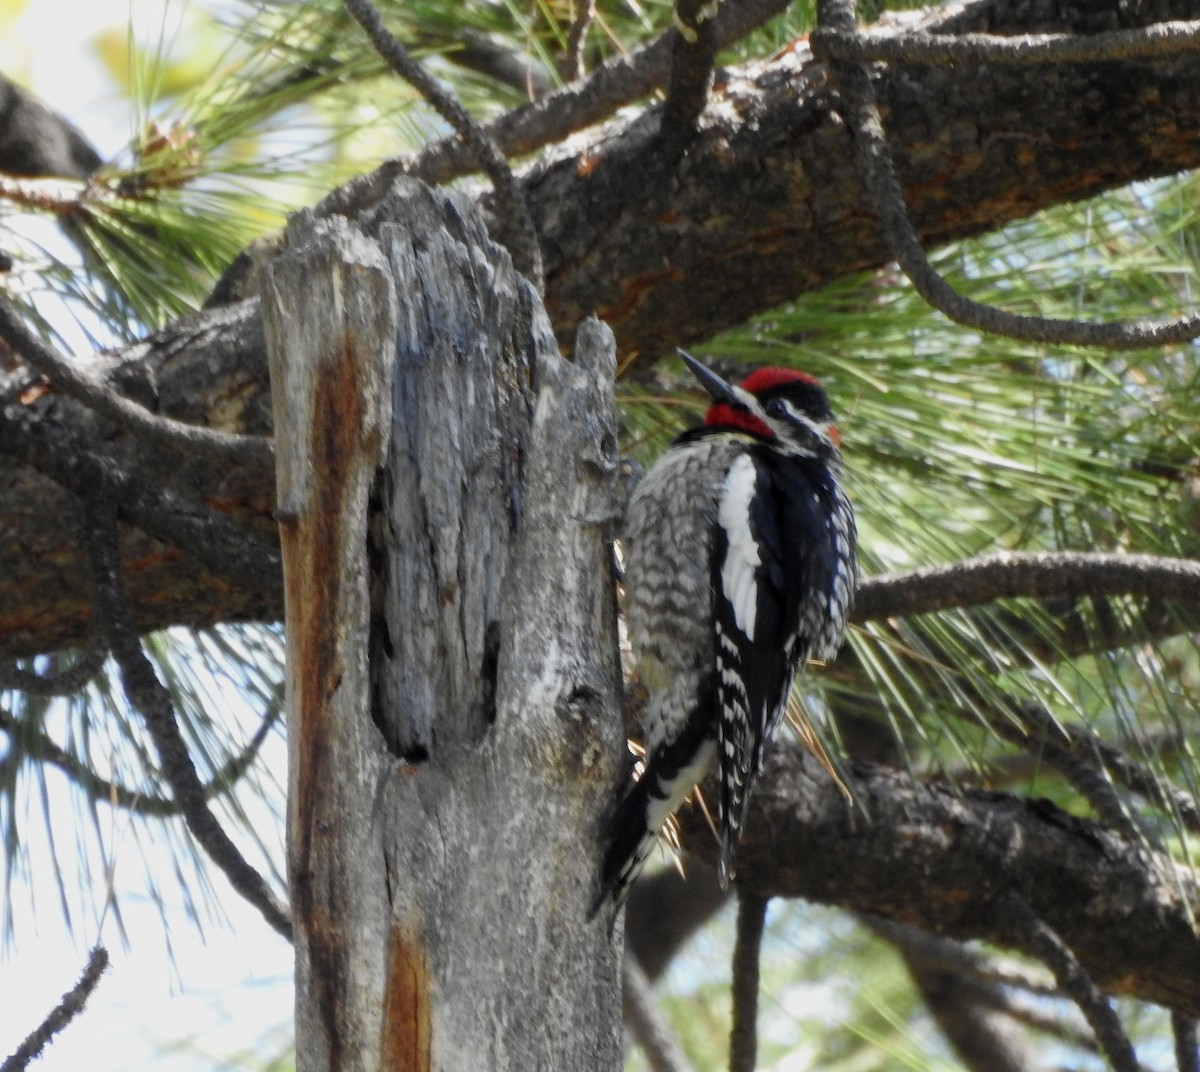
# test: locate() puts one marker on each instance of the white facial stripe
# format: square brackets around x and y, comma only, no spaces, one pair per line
[741,558]
[799,417]
[747,400]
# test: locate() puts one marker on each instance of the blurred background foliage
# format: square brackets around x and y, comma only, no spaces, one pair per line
[956,445]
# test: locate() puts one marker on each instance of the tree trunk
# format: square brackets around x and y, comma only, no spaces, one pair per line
[764,206]
[452,676]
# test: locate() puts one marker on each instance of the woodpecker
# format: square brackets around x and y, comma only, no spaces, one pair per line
[739,568]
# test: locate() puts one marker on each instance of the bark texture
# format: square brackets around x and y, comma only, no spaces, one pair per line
[441,903]
[763,206]
[943,859]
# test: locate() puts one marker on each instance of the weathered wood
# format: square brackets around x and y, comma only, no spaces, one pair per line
[330,316]
[443,823]
[764,207]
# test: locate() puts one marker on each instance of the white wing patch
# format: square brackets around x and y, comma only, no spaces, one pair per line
[741,559]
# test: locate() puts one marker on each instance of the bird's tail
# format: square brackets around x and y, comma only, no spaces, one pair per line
[631,840]
[641,815]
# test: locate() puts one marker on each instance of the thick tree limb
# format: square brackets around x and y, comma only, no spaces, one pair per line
[1151,42]
[35,142]
[79,380]
[764,206]
[204,370]
[940,860]
[654,251]
[665,910]
[73,462]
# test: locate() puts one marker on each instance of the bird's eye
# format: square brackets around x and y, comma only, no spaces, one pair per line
[777,408]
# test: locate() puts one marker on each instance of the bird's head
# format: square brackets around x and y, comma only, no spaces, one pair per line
[784,406]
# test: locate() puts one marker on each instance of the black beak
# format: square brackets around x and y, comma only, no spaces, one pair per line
[718,389]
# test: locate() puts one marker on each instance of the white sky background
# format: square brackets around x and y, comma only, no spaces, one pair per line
[221,999]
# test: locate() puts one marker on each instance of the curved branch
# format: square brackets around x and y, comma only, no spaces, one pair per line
[63,1013]
[94,393]
[571,62]
[97,788]
[149,697]
[878,173]
[58,682]
[615,83]
[1073,979]
[938,858]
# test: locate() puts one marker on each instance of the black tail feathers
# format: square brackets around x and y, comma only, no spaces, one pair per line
[630,842]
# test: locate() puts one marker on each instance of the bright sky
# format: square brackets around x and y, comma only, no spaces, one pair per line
[222,998]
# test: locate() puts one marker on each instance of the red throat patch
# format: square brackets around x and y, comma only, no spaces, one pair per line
[723,415]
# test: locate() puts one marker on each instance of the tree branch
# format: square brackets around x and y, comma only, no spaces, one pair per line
[615,83]
[944,954]
[44,750]
[72,1005]
[56,682]
[963,1005]
[692,57]
[521,235]
[1157,41]
[665,910]
[148,696]
[743,1039]
[1031,575]
[1092,766]
[476,51]
[77,464]
[938,858]
[36,142]
[878,173]
[1073,979]
[646,1024]
[572,58]
[95,394]
[665,264]
[1184,1029]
